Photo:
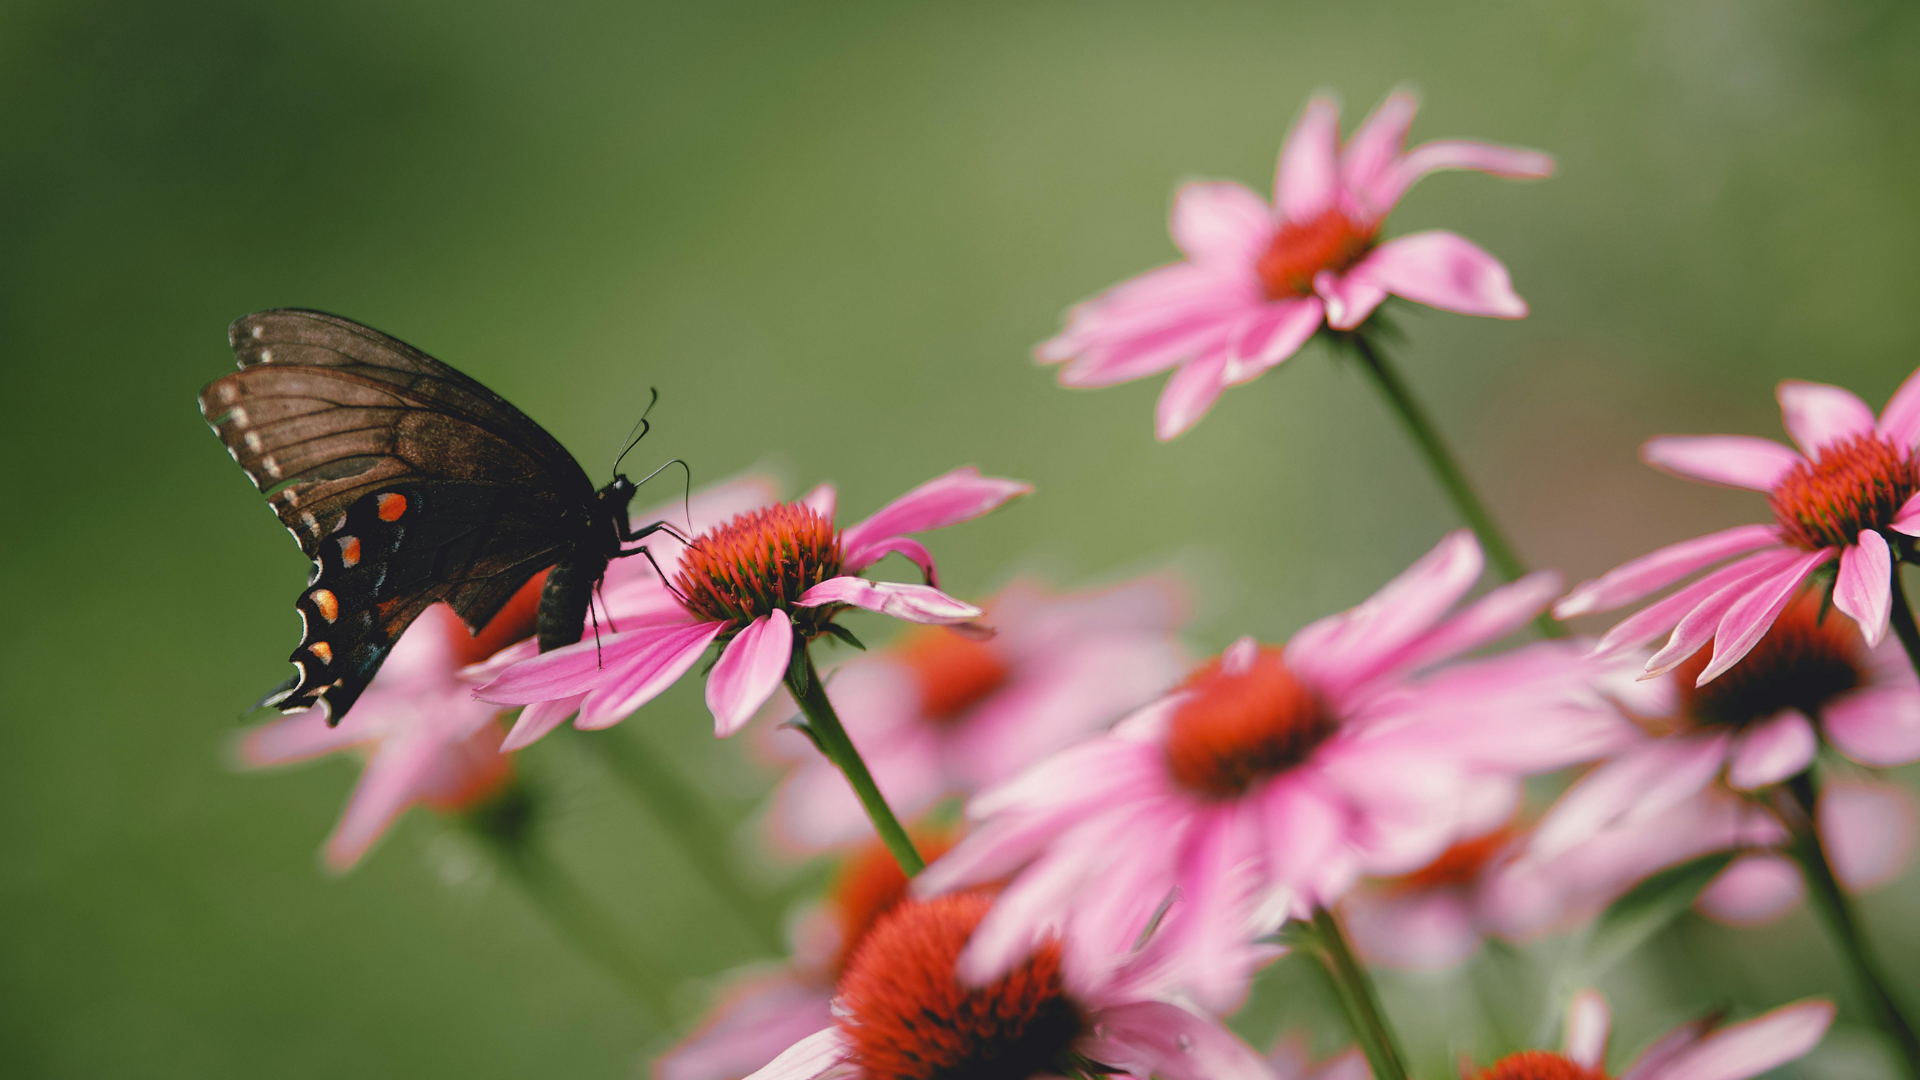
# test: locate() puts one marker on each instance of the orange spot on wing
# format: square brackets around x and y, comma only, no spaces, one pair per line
[328,604]
[322,650]
[349,551]
[391,506]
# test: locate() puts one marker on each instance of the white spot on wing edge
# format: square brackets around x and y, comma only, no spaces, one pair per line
[256,330]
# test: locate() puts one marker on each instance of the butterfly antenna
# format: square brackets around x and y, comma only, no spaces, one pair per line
[686,494]
[640,428]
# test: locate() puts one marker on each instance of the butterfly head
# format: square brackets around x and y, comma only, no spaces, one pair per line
[619,492]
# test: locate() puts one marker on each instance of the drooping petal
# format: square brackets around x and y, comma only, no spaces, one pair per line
[1869,831]
[817,1055]
[1771,752]
[1153,1038]
[576,668]
[1308,179]
[914,550]
[645,674]
[1638,783]
[1508,161]
[1747,621]
[1443,270]
[958,496]
[539,718]
[1349,298]
[1864,589]
[298,737]
[1878,724]
[1588,1022]
[1900,420]
[1221,222]
[390,784]
[1173,339]
[1379,140]
[1189,393]
[1753,890]
[1649,573]
[1751,1048]
[1740,461]
[914,603]
[1704,602]
[1275,334]
[1818,415]
[749,671]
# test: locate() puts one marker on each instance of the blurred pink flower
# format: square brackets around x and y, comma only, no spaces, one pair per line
[1272,779]
[941,714]
[1868,829]
[1857,481]
[1759,723]
[1433,918]
[1292,1059]
[425,738]
[752,584]
[902,1010]
[1259,280]
[1695,1051]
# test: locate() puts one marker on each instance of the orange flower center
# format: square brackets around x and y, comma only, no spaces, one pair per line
[1458,865]
[954,673]
[908,1017]
[1301,249]
[1802,663]
[1538,1065]
[869,885]
[760,561]
[1858,483]
[1240,727]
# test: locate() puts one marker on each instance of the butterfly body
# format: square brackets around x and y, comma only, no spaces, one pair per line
[407,484]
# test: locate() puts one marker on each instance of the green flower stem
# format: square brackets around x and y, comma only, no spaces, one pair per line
[828,734]
[1835,909]
[1452,479]
[1354,987]
[585,925]
[1902,619]
[681,810]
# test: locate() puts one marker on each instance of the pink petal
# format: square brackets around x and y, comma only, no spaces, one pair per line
[298,737]
[1878,724]
[914,603]
[1487,619]
[1426,930]
[749,671]
[1342,650]
[914,550]
[576,668]
[1155,349]
[390,784]
[1740,461]
[756,1019]
[1637,784]
[1153,1038]
[539,718]
[813,1056]
[1702,620]
[642,676]
[1900,420]
[1868,829]
[1769,753]
[1349,298]
[1588,1022]
[1864,588]
[821,500]
[1749,1049]
[1632,580]
[1748,620]
[1308,179]
[1274,335]
[1511,162]
[1907,520]
[1443,270]
[1659,617]
[1220,221]
[958,496]
[1189,393]
[1818,415]
[1753,890]
[1373,148]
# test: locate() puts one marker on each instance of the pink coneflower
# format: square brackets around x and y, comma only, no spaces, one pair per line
[1856,483]
[1274,777]
[1259,280]
[1867,829]
[1758,724]
[425,738]
[941,714]
[902,1012]
[1432,918]
[755,584]
[1690,1052]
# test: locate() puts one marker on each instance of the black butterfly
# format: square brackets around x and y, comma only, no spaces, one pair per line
[407,484]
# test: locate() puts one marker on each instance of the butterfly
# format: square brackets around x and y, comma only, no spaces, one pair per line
[407,484]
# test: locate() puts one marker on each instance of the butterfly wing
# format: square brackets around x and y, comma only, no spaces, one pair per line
[365,446]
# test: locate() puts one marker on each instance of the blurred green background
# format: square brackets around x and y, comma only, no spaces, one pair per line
[830,235]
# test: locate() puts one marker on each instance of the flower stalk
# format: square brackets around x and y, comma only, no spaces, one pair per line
[682,812]
[1835,909]
[824,727]
[1358,998]
[1453,480]
[1901,617]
